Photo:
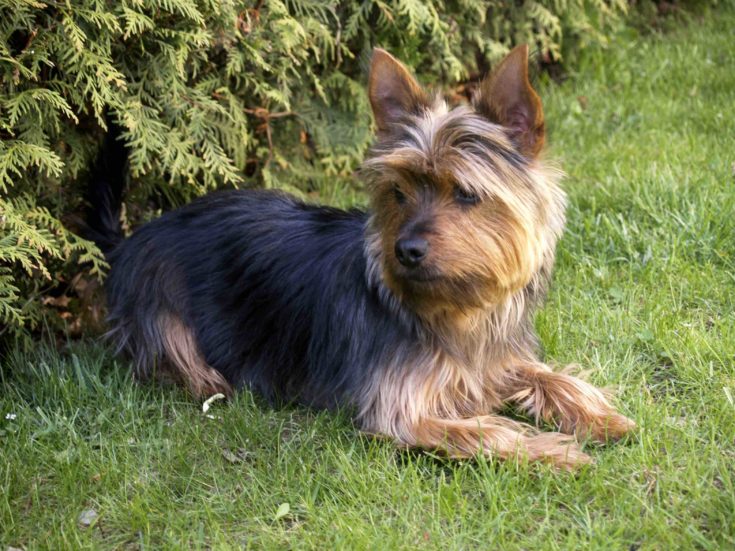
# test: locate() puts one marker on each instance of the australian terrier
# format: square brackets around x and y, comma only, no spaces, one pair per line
[415,315]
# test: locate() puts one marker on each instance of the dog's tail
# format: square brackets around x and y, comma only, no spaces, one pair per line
[105,191]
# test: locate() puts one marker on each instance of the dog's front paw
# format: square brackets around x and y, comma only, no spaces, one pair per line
[562,451]
[609,427]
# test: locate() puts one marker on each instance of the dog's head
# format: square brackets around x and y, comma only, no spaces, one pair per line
[464,211]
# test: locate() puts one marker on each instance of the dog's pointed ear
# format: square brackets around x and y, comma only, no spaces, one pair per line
[393,92]
[506,97]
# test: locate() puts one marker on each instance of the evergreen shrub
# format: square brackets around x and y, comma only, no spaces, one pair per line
[214,93]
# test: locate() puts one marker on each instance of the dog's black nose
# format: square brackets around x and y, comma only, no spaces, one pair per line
[410,251]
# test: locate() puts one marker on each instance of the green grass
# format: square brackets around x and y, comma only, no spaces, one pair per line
[644,296]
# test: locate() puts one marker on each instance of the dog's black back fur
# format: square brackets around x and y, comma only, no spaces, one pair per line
[274,290]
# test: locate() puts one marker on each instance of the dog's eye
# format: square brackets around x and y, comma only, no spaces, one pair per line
[465,197]
[400,197]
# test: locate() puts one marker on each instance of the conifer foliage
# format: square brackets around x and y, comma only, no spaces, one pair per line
[214,94]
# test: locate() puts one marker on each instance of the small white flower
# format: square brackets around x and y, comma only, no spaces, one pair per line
[10,416]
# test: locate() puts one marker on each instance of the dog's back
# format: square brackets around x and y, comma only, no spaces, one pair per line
[248,288]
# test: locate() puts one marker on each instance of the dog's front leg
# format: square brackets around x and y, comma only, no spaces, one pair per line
[497,436]
[573,405]
[489,435]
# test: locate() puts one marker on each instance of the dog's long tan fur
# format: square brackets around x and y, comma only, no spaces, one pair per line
[185,363]
[496,259]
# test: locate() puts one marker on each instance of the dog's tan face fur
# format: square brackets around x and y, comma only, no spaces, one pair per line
[468,181]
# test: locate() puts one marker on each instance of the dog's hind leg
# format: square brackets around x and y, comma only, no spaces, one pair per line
[183,358]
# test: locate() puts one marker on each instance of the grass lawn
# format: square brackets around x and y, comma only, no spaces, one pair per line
[644,296]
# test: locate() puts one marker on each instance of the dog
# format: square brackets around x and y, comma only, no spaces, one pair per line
[415,315]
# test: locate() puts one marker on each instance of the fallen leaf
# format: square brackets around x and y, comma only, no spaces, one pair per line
[239,456]
[208,402]
[283,510]
[87,517]
[60,302]
[231,457]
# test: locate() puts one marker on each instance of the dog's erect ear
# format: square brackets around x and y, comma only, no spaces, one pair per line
[393,92]
[506,97]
